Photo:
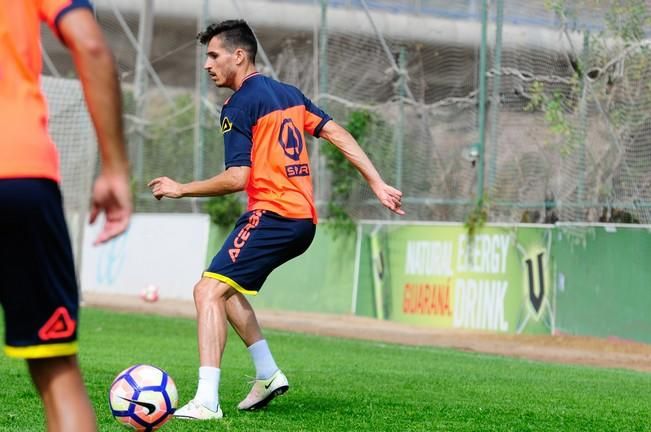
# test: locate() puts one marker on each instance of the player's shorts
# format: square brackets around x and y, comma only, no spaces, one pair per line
[261,241]
[38,288]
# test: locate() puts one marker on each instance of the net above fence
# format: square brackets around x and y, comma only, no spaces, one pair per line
[565,134]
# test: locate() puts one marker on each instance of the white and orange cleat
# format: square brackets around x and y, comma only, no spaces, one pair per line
[195,410]
[264,391]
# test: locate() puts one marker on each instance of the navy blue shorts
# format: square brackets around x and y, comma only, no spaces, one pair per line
[38,288]
[261,241]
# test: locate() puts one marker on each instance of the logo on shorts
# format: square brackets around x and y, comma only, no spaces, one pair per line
[291,139]
[59,326]
[244,234]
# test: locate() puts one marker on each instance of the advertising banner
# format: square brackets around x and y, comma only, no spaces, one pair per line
[603,278]
[438,275]
[166,251]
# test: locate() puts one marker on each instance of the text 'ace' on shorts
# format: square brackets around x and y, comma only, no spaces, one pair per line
[261,241]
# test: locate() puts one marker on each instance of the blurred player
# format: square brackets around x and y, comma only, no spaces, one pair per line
[263,124]
[38,290]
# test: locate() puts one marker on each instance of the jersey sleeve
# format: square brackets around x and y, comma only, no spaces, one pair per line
[315,118]
[51,11]
[237,127]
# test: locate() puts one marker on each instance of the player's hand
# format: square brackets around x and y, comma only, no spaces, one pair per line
[111,195]
[389,196]
[165,187]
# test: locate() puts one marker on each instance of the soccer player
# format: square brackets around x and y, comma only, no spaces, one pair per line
[38,290]
[265,153]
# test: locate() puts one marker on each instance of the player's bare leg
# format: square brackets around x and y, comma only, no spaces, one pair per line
[212,330]
[270,381]
[242,317]
[60,384]
[212,325]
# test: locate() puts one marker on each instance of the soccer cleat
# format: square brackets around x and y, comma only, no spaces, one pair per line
[195,410]
[264,391]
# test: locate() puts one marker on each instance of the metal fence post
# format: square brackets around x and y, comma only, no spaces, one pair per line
[145,33]
[200,90]
[400,130]
[321,101]
[482,101]
[495,100]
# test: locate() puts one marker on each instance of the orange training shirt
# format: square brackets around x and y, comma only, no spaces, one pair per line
[26,149]
[263,124]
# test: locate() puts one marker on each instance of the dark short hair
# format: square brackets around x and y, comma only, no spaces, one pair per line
[234,34]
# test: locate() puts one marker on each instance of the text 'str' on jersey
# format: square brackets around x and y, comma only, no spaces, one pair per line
[263,124]
[26,149]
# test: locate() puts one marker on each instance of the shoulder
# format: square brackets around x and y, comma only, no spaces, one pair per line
[247,98]
[290,89]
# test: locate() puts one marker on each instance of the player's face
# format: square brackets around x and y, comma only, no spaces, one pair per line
[220,63]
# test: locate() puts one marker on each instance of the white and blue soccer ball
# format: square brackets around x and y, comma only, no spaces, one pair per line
[143,397]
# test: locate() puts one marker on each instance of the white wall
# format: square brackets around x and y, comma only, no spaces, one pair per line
[303,17]
[167,250]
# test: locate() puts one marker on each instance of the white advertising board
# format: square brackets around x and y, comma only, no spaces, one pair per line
[164,250]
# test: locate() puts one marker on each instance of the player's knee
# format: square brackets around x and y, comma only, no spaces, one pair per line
[210,290]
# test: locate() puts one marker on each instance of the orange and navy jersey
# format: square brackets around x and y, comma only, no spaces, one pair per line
[26,149]
[263,124]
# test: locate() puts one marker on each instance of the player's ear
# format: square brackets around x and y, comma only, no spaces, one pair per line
[240,56]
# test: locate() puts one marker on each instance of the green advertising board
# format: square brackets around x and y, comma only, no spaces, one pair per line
[603,281]
[436,275]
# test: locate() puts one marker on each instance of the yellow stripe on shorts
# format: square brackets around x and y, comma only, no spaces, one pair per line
[42,351]
[230,282]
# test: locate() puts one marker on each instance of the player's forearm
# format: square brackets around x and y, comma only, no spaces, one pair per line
[97,72]
[101,89]
[222,184]
[349,147]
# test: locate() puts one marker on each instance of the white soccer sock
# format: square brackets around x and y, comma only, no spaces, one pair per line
[207,390]
[265,366]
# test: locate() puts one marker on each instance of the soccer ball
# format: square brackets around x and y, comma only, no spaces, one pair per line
[143,397]
[150,293]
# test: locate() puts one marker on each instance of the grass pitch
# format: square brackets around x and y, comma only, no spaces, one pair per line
[346,385]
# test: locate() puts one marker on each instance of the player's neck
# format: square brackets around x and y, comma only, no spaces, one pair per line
[243,76]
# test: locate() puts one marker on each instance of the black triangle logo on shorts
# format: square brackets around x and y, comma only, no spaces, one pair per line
[59,326]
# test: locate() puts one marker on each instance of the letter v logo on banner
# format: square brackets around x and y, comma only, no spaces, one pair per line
[59,326]
[537,281]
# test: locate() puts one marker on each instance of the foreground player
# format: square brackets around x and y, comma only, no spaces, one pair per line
[38,291]
[263,124]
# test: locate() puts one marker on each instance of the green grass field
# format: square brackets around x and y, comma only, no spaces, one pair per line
[346,385]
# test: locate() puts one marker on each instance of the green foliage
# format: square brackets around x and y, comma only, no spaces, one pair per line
[559,7]
[555,116]
[537,97]
[476,219]
[224,210]
[627,19]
